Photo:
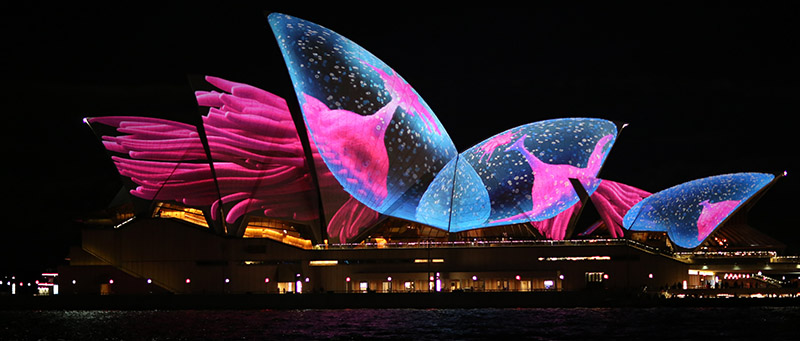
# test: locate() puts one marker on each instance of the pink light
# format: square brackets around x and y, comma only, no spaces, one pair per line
[712,215]
[474,278]
[347,279]
[389,278]
[188,281]
[266,280]
[605,276]
[552,182]
[110,281]
[518,278]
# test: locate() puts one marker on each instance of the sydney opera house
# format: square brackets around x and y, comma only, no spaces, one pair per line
[355,186]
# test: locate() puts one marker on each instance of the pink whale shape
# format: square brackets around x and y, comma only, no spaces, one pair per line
[354,143]
[551,182]
[712,215]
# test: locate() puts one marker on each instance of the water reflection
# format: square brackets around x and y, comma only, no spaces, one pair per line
[451,324]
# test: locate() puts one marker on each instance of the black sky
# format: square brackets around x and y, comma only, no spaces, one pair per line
[707,88]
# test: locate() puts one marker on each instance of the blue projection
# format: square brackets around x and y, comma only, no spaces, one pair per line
[691,211]
[378,149]
[389,151]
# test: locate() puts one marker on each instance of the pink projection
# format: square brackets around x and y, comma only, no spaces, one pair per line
[353,144]
[712,215]
[555,228]
[551,184]
[493,143]
[612,200]
[348,215]
[257,156]
[160,158]
[405,96]
[349,220]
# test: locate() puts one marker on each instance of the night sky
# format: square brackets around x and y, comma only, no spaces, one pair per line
[706,90]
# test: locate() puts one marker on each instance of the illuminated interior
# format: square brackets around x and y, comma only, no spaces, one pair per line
[259,227]
[174,211]
[394,230]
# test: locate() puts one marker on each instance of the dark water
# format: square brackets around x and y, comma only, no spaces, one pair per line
[662,323]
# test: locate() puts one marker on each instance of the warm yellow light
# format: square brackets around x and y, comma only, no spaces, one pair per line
[701,272]
[323,262]
[281,236]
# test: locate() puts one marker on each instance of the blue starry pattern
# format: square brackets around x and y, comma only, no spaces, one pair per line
[677,209]
[507,177]
[331,68]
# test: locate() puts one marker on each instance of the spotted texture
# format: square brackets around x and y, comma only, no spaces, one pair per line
[691,211]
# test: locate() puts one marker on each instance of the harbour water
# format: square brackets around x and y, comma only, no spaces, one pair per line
[653,323]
